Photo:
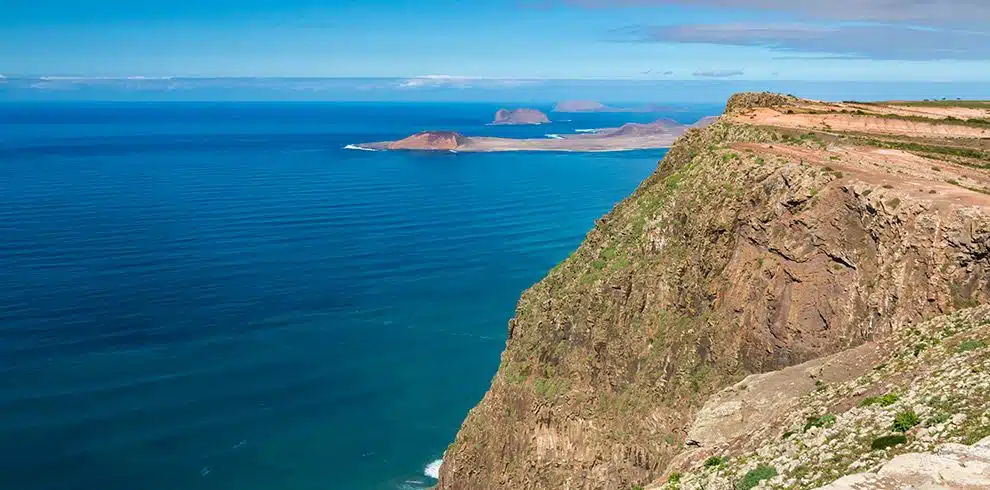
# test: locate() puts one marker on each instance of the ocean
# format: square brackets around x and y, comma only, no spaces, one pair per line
[221,296]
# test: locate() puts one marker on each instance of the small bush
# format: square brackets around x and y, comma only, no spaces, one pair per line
[755,476]
[674,479]
[940,418]
[715,461]
[884,401]
[826,420]
[971,345]
[905,420]
[888,441]
[977,434]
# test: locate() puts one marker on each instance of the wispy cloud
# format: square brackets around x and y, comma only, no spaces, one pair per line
[718,73]
[461,82]
[169,84]
[923,12]
[886,42]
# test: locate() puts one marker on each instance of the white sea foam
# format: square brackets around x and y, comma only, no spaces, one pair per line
[356,147]
[554,136]
[586,130]
[433,469]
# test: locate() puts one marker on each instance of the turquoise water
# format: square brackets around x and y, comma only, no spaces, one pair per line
[220,296]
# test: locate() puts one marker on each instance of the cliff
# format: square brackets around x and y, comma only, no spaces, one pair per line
[520,117]
[785,232]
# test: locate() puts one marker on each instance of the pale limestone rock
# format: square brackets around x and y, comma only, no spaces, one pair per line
[951,466]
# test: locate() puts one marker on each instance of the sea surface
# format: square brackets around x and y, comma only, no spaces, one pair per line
[221,296]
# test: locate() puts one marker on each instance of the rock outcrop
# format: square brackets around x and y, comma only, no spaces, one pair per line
[895,413]
[952,466]
[758,244]
[430,140]
[520,117]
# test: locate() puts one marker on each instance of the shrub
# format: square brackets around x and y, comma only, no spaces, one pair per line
[888,441]
[884,401]
[940,418]
[755,476]
[826,420]
[905,420]
[977,434]
[971,345]
[714,461]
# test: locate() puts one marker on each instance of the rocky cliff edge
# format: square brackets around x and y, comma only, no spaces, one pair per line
[787,231]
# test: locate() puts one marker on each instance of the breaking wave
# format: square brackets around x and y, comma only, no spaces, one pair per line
[356,147]
[432,470]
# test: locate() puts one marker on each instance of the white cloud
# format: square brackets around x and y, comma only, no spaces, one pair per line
[461,82]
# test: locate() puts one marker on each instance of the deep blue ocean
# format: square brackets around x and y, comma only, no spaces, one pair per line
[220,296]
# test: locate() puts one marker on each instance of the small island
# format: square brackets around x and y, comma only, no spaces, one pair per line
[581,106]
[506,117]
[572,106]
[632,136]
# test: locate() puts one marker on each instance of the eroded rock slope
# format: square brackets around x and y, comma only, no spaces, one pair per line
[759,243]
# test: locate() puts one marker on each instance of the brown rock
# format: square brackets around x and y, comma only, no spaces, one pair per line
[752,248]
[430,140]
[520,117]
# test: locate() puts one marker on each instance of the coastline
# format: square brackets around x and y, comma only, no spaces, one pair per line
[660,134]
[504,145]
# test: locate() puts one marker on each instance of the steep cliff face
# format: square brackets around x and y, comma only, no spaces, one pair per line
[753,247]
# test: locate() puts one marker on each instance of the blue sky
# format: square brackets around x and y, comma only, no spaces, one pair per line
[500,41]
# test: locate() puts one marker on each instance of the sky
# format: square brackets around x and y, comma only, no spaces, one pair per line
[430,44]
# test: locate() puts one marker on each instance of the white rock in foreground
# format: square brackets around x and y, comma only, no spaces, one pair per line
[951,466]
